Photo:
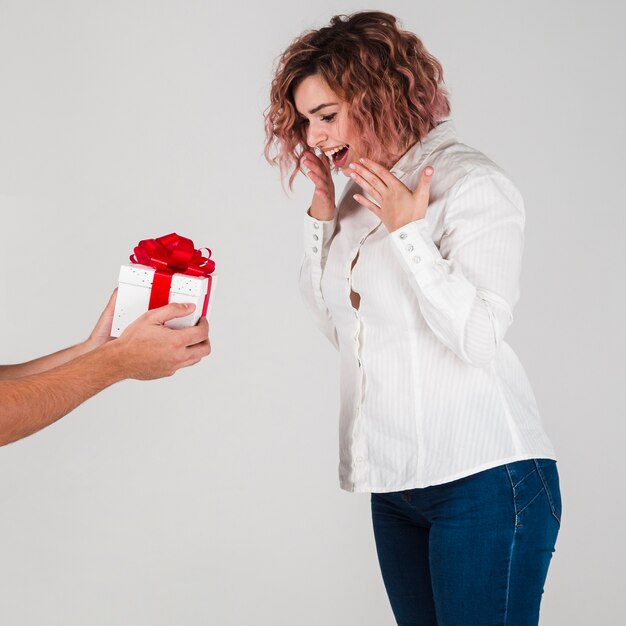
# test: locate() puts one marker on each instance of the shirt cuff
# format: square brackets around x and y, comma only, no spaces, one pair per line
[317,235]
[419,252]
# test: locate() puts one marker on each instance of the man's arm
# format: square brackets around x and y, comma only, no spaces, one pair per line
[147,349]
[99,336]
[42,364]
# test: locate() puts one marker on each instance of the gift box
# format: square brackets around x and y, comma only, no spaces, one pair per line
[163,270]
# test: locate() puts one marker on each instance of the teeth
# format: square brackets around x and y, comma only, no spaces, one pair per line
[335,150]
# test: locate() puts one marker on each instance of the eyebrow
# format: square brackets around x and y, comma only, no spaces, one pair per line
[321,106]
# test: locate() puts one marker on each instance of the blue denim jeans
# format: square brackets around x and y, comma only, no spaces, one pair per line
[472,552]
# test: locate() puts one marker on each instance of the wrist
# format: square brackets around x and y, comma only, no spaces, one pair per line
[392,228]
[321,216]
[109,357]
[88,345]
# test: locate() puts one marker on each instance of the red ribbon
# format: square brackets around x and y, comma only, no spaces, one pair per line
[169,255]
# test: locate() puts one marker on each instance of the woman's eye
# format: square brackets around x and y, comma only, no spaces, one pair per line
[328,118]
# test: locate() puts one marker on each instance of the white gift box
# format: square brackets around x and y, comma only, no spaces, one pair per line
[133,296]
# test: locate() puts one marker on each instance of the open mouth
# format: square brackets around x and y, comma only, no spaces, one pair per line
[340,156]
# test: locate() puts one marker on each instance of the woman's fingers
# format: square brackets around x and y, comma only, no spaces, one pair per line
[395,204]
[312,162]
[367,203]
[317,170]
[318,179]
[317,167]
[381,172]
[370,176]
[363,180]
[322,188]
[322,160]
[327,163]
[422,191]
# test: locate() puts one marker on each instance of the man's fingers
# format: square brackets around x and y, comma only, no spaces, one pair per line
[203,327]
[109,309]
[102,330]
[194,335]
[111,303]
[187,336]
[194,354]
[197,352]
[171,311]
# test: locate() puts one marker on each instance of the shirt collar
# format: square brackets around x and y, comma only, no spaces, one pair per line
[421,150]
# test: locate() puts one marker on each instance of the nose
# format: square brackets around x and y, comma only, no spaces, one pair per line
[315,136]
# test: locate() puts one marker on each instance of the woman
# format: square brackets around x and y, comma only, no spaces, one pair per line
[413,276]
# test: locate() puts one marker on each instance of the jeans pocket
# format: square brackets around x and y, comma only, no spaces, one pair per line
[527,488]
[546,468]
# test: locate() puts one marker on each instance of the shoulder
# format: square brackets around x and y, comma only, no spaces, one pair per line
[467,185]
[455,164]
[470,182]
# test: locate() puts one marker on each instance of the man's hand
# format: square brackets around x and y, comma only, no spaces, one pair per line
[102,330]
[36,394]
[148,349]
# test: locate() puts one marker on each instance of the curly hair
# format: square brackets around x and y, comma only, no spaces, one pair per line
[393,86]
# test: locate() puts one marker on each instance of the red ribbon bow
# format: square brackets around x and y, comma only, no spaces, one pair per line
[169,255]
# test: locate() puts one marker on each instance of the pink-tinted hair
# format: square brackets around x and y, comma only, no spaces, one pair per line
[393,86]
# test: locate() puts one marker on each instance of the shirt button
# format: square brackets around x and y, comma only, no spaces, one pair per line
[402,235]
[315,237]
[416,259]
[316,225]
[410,247]
[314,248]
[359,459]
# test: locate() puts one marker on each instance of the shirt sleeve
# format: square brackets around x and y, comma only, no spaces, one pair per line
[467,287]
[317,237]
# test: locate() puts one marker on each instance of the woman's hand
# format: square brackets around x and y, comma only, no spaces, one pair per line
[396,205]
[318,170]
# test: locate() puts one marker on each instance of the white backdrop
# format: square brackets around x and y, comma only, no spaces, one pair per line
[212,497]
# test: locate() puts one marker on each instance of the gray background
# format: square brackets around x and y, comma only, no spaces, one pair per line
[212,497]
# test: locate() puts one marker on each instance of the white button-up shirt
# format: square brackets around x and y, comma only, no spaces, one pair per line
[430,391]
